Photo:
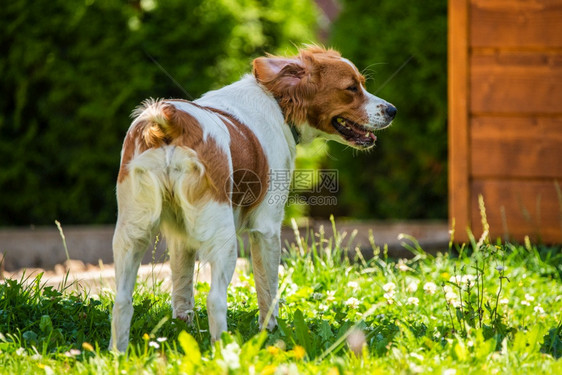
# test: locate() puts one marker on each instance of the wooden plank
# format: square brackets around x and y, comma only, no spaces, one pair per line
[459,196]
[517,208]
[524,147]
[516,23]
[507,82]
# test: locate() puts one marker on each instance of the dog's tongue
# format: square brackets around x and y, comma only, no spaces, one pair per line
[362,132]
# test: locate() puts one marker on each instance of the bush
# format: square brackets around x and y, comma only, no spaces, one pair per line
[406,174]
[74,70]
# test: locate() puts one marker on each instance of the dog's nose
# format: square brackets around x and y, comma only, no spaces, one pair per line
[390,111]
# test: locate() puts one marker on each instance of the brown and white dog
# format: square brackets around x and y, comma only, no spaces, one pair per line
[180,167]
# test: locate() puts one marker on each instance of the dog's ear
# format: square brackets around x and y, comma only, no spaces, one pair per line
[290,81]
[267,69]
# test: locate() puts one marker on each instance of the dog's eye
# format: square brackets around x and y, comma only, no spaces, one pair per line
[352,88]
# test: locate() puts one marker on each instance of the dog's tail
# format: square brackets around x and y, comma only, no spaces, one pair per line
[160,123]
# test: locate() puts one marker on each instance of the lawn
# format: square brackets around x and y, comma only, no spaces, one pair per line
[480,308]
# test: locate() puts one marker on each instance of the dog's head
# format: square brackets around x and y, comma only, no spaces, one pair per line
[323,94]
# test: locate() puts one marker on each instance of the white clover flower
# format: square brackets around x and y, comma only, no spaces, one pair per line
[291,288]
[323,307]
[231,355]
[503,301]
[330,295]
[72,353]
[412,287]
[449,296]
[389,287]
[352,302]
[462,279]
[456,279]
[413,301]
[402,266]
[452,298]
[154,345]
[161,339]
[525,303]
[317,296]
[389,297]
[450,371]
[448,289]
[430,287]
[529,297]
[352,284]
[538,309]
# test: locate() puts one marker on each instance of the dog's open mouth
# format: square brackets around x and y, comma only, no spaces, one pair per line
[354,132]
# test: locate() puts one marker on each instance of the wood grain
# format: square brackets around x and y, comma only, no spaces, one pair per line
[516,23]
[523,147]
[505,116]
[516,209]
[509,82]
[459,194]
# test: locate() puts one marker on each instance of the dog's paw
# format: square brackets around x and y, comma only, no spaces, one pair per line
[271,324]
[185,315]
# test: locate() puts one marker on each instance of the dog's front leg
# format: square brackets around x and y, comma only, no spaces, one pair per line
[266,255]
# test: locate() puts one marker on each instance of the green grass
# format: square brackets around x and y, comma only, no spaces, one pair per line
[340,313]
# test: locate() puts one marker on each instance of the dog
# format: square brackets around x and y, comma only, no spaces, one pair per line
[199,172]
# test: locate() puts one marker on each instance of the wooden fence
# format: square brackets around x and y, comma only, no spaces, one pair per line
[505,117]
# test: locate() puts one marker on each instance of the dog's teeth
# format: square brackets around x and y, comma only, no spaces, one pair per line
[368,135]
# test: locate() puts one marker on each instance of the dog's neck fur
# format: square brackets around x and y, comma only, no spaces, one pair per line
[252,99]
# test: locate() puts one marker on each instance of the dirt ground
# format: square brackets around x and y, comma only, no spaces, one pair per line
[75,275]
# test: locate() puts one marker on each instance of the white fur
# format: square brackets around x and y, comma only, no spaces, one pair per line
[376,108]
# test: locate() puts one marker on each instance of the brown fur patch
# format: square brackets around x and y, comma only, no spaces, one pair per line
[132,139]
[314,87]
[185,131]
[181,129]
[249,162]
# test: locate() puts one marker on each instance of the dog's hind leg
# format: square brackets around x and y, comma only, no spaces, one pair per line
[182,263]
[222,269]
[216,233]
[128,253]
[140,204]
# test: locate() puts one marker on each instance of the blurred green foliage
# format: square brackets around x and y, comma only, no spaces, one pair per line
[72,71]
[405,176]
